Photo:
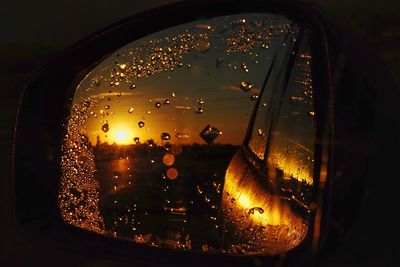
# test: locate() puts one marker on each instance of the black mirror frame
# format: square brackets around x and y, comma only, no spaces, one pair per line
[44,105]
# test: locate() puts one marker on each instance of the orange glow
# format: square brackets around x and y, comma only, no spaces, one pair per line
[248,206]
[293,168]
[275,212]
[168,159]
[172,173]
[120,135]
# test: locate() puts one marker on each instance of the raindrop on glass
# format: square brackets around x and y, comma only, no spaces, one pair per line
[199,110]
[122,67]
[105,127]
[165,136]
[253,97]
[141,124]
[209,134]
[258,209]
[246,86]
[97,81]
[244,67]
[117,175]
[157,104]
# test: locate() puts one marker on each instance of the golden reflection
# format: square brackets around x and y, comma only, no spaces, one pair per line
[121,135]
[263,221]
[292,168]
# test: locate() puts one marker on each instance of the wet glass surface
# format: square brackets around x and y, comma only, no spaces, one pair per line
[155,152]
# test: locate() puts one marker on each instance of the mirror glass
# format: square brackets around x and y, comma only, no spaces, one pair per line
[199,137]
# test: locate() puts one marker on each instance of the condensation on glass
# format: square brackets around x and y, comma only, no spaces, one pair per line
[198,137]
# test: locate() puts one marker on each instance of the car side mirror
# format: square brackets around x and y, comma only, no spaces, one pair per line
[168,139]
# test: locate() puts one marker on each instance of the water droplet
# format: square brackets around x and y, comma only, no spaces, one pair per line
[166,102]
[107,106]
[165,136]
[132,86]
[253,97]
[119,94]
[122,67]
[173,94]
[157,104]
[200,101]
[97,81]
[311,113]
[117,175]
[105,127]
[260,132]
[264,104]
[137,140]
[203,46]
[246,86]
[141,124]
[199,190]
[244,67]
[199,110]
[209,134]
[150,142]
[296,100]
[130,110]
[258,209]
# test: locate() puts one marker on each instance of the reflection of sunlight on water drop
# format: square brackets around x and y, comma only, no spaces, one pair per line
[253,97]
[165,136]
[105,127]
[246,86]
[199,110]
[200,101]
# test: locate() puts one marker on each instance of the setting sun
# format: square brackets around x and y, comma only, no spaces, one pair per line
[121,135]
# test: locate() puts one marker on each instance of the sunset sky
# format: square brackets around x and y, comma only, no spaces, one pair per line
[226,106]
